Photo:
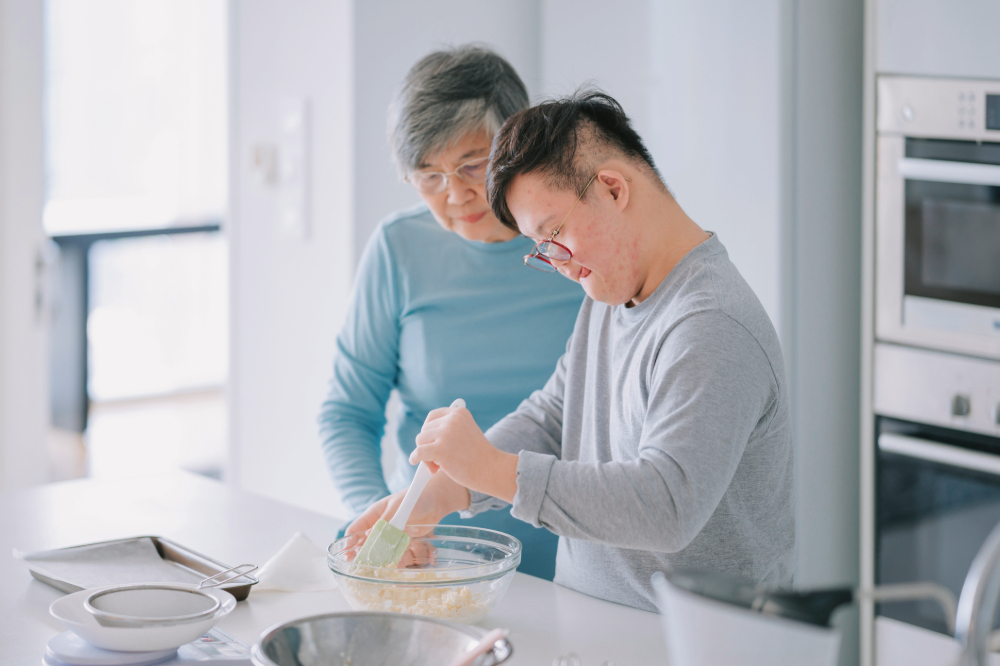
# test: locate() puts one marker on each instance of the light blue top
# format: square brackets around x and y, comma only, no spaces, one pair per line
[437,317]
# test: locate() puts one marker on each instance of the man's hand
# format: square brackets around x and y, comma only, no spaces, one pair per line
[441,497]
[451,440]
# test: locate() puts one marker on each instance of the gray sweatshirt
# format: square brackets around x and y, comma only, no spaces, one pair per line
[662,440]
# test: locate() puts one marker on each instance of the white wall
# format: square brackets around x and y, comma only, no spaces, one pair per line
[827,286]
[288,295]
[826,294]
[390,36]
[716,121]
[608,46]
[24,398]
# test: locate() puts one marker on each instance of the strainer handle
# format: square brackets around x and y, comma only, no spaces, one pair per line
[237,571]
[502,650]
[493,647]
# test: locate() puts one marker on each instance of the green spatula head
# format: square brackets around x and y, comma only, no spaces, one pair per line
[384,546]
[387,541]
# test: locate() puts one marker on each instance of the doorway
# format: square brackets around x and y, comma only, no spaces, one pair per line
[135,127]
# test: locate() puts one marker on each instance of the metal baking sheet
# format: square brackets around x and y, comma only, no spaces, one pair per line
[170,551]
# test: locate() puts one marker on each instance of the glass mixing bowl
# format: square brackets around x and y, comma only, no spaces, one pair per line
[450,572]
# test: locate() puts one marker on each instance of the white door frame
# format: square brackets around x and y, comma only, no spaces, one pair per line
[24,307]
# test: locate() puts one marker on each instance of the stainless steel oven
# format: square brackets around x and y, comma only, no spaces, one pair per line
[938,497]
[937,471]
[938,214]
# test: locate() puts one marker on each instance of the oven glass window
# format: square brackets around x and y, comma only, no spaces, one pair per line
[931,521]
[953,229]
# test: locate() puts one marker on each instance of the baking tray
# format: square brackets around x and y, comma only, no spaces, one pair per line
[170,551]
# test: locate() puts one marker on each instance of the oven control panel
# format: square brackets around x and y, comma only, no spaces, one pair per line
[947,390]
[939,108]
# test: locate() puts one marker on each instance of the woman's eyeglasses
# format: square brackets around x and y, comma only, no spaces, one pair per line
[436,182]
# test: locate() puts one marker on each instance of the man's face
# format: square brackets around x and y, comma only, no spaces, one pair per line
[605,250]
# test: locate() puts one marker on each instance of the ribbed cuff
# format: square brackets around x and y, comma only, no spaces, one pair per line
[532,479]
[479,502]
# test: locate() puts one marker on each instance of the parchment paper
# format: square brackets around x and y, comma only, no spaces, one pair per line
[120,563]
[300,566]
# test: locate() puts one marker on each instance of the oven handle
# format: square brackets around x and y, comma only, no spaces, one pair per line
[941,171]
[940,453]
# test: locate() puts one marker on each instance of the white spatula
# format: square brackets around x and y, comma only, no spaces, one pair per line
[388,541]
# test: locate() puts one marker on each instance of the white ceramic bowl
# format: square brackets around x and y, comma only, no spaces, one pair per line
[149,604]
[71,612]
[703,630]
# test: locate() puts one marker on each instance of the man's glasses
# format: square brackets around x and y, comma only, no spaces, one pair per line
[547,251]
[436,182]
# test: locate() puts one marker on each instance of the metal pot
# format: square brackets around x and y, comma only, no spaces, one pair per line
[372,639]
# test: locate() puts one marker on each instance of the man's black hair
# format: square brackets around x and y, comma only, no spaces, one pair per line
[545,139]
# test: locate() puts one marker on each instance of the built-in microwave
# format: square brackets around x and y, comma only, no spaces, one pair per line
[938,214]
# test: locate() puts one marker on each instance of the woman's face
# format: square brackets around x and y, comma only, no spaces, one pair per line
[462,206]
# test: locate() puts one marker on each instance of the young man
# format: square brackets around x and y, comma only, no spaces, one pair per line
[663,438]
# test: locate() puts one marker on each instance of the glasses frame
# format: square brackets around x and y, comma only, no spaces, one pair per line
[444,176]
[537,253]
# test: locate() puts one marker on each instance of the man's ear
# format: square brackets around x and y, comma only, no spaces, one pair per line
[619,186]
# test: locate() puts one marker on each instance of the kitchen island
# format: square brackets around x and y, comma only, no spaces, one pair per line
[235,526]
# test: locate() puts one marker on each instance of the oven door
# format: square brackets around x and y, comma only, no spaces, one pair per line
[938,244]
[937,499]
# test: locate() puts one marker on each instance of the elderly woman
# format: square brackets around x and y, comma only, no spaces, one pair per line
[443,307]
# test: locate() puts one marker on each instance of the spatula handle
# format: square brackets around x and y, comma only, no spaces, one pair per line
[420,480]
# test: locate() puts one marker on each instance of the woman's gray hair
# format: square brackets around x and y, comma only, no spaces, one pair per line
[447,95]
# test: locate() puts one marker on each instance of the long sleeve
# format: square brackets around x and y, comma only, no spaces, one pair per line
[706,395]
[663,439]
[352,418]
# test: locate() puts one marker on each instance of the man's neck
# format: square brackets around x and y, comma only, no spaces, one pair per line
[668,234]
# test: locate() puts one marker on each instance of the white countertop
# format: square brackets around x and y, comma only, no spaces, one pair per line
[233,526]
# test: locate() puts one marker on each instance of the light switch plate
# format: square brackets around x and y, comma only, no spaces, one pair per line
[293,175]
